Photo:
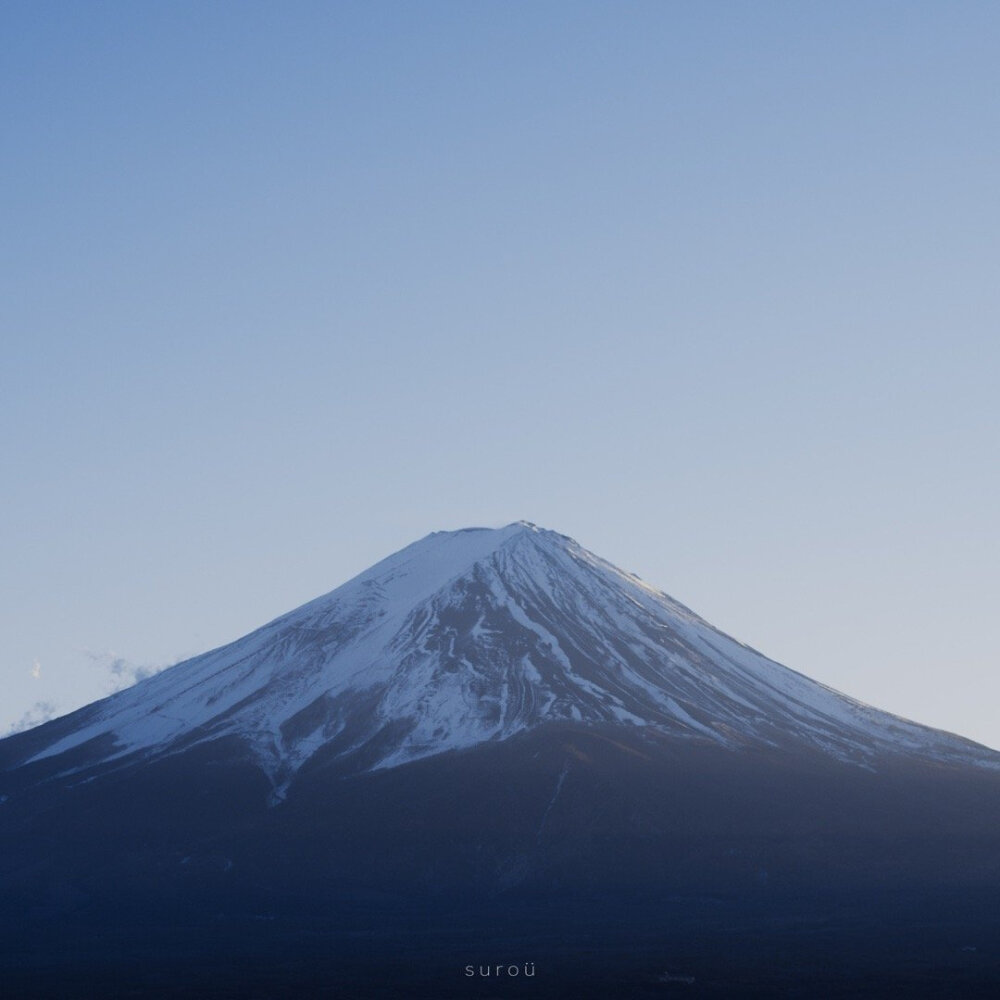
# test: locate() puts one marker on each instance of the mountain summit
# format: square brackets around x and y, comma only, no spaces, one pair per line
[472,636]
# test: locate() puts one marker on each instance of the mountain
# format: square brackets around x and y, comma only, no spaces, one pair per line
[471,636]
[494,733]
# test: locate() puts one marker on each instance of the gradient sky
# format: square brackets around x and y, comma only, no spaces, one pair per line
[711,287]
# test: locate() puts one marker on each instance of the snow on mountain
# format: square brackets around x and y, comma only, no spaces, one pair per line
[476,635]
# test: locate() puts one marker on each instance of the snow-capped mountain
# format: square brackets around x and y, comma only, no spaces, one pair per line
[490,744]
[473,636]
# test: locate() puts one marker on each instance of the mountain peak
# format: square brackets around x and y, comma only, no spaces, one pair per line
[495,536]
[421,568]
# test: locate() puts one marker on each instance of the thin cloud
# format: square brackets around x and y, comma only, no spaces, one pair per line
[123,673]
[40,712]
[36,670]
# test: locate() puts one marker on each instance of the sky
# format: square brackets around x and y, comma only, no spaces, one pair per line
[710,287]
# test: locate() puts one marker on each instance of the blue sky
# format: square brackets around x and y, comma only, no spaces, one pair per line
[710,287]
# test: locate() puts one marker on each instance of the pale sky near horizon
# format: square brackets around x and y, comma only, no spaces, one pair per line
[711,287]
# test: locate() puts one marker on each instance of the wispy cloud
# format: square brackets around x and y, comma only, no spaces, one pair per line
[122,673]
[40,712]
[36,670]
